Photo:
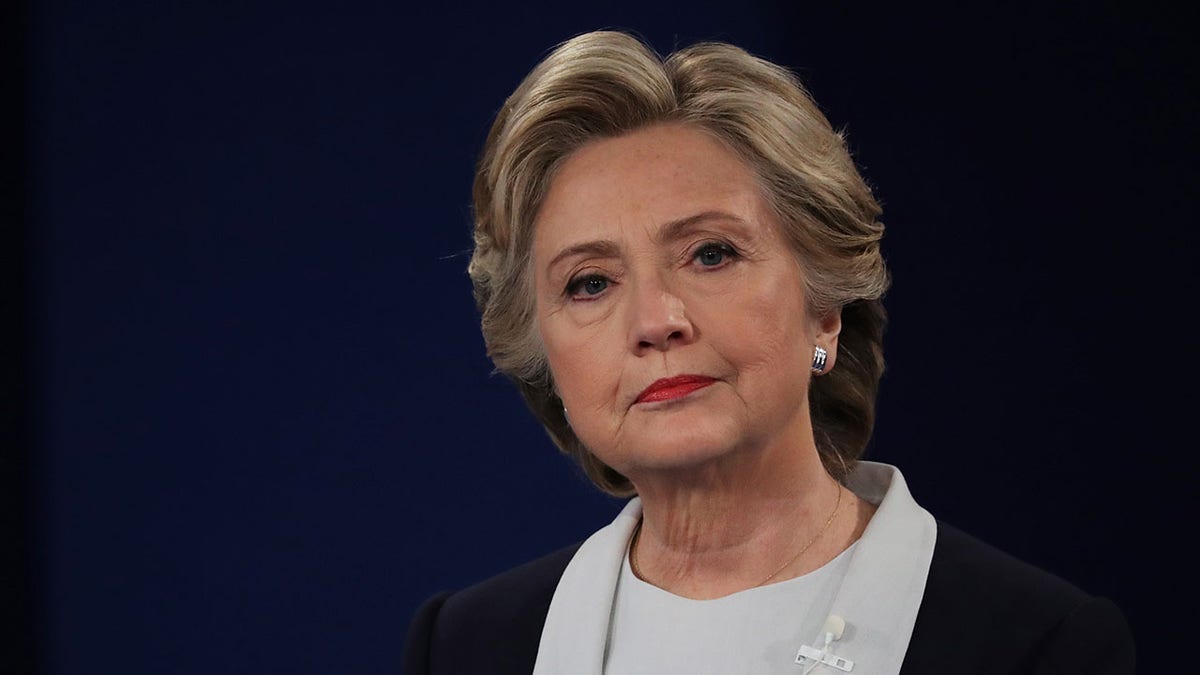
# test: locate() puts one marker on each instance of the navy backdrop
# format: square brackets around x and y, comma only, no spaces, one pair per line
[264,428]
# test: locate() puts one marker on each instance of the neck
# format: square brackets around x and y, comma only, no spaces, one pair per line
[715,530]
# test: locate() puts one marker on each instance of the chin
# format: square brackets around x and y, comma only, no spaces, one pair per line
[678,444]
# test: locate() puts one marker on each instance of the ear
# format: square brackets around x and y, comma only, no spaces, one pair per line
[825,335]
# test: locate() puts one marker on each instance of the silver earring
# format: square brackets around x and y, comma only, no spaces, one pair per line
[818,364]
[565,417]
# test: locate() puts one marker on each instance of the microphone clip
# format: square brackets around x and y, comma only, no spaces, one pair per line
[811,656]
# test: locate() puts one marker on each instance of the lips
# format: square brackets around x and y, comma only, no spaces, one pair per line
[673,387]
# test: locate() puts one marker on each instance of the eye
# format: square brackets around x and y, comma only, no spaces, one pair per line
[714,254]
[587,287]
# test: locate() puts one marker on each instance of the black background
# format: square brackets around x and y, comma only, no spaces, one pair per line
[253,420]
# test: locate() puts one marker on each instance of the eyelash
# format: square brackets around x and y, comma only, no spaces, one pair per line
[719,246]
[575,285]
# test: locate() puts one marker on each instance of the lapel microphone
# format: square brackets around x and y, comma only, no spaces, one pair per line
[811,657]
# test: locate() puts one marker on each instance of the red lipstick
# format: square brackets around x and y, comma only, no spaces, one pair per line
[673,387]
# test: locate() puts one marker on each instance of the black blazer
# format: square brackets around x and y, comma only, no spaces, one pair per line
[983,612]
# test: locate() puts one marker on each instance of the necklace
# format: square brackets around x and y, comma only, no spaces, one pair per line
[637,531]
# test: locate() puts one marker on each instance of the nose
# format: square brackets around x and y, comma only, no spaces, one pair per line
[658,320]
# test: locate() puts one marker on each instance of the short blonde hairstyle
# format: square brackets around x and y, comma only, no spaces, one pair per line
[604,84]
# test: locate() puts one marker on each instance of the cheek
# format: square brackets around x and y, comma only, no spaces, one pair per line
[558,356]
[766,328]
[580,360]
[764,348]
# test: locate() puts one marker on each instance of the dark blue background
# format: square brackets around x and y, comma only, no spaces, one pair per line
[263,428]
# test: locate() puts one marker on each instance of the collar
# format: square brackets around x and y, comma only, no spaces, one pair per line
[878,598]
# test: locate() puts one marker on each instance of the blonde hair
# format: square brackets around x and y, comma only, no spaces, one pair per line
[604,84]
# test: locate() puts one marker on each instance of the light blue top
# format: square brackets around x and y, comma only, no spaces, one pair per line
[758,630]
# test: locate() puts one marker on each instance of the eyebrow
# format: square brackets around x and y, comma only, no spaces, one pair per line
[604,248]
[677,228]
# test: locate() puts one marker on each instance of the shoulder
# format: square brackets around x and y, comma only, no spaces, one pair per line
[493,626]
[985,611]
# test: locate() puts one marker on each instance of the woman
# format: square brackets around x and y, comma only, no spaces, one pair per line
[679,266]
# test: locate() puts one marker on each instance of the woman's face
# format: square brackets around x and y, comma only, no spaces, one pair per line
[671,309]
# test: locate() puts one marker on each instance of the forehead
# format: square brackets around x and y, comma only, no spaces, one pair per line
[641,180]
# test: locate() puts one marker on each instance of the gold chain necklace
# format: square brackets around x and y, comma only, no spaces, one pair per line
[638,531]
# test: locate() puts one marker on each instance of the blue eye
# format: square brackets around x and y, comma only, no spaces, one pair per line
[587,285]
[712,255]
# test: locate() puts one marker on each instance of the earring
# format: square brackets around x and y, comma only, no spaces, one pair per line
[818,364]
[565,416]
